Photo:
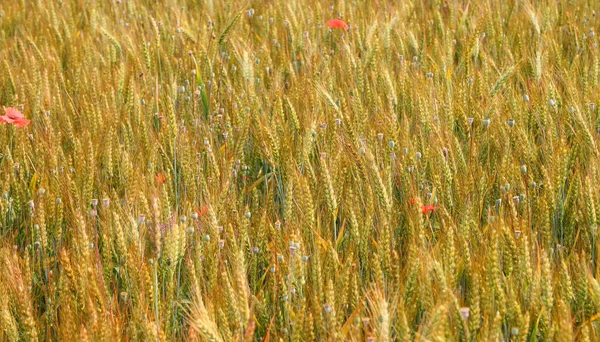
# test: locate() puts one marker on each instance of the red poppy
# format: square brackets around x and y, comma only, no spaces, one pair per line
[428,208]
[412,201]
[337,23]
[15,117]
[161,178]
[202,211]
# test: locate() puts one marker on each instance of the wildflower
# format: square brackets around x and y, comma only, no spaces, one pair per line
[201,212]
[190,230]
[464,312]
[161,178]
[428,208]
[511,122]
[524,169]
[15,117]
[486,122]
[337,23]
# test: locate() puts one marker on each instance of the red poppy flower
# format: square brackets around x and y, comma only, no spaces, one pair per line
[14,116]
[428,208]
[161,178]
[202,211]
[337,23]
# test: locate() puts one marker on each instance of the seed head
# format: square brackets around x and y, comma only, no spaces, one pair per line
[524,169]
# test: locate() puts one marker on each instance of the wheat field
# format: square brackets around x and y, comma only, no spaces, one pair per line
[217,170]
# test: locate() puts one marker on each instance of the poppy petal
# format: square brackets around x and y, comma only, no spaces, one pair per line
[22,122]
[337,23]
[6,119]
[14,113]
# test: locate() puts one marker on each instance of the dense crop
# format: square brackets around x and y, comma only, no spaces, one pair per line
[225,171]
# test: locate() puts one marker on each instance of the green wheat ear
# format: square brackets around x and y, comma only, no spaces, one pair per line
[202,86]
[228,29]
